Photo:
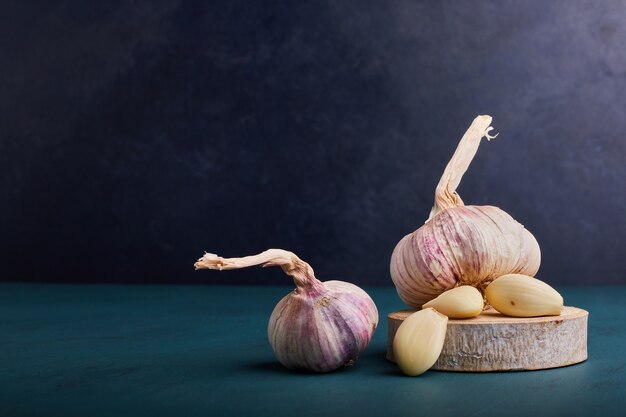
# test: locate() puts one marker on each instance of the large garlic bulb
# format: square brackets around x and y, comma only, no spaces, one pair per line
[461,245]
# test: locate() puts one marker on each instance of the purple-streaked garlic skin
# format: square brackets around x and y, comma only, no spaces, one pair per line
[465,245]
[322,328]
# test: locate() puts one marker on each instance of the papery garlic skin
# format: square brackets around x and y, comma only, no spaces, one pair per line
[461,245]
[320,326]
[468,245]
[322,331]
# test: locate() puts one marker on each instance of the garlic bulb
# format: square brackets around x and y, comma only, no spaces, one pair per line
[458,244]
[320,326]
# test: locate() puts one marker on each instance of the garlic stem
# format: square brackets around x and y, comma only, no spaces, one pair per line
[300,271]
[445,195]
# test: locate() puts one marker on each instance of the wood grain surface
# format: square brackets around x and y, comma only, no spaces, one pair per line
[494,342]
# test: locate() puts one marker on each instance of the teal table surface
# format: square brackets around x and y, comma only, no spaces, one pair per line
[110,350]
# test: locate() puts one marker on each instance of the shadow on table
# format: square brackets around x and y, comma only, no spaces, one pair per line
[379,358]
[273,367]
[277,368]
[371,361]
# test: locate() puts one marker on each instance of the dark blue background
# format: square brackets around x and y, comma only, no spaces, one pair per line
[135,135]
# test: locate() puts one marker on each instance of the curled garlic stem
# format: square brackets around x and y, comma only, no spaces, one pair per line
[445,194]
[320,326]
[300,271]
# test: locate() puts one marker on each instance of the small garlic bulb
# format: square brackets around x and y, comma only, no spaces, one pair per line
[461,245]
[320,326]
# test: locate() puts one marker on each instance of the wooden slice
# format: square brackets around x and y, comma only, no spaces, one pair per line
[494,342]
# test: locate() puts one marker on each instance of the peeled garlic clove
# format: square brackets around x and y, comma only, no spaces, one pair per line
[458,303]
[523,296]
[419,341]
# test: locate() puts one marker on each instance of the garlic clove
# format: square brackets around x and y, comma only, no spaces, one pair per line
[419,341]
[523,296]
[458,303]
